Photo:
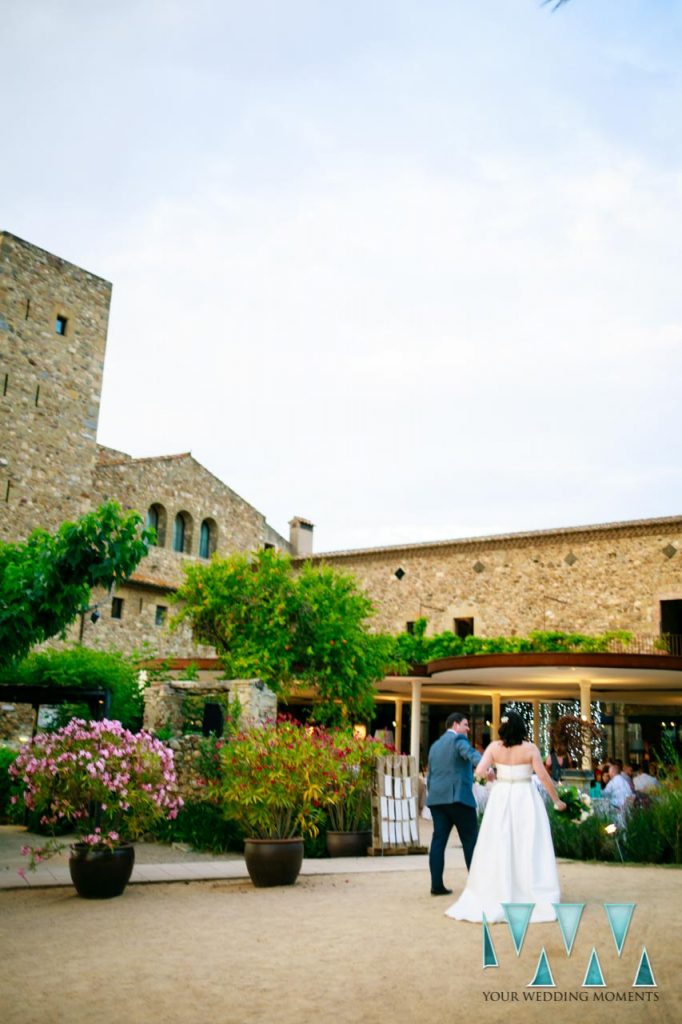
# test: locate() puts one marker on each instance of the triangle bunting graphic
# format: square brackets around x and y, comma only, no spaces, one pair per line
[518,917]
[593,975]
[568,916]
[619,915]
[644,978]
[543,974]
[489,955]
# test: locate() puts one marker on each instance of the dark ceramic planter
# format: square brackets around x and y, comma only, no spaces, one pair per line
[273,861]
[101,874]
[348,844]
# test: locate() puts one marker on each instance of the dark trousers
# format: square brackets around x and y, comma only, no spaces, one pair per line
[444,816]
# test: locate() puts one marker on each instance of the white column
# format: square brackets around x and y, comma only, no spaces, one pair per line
[586,716]
[536,723]
[398,725]
[416,718]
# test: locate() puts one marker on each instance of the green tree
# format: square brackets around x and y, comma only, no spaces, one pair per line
[287,627]
[46,581]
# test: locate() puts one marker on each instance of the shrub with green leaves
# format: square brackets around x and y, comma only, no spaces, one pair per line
[416,648]
[82,668]
[10,812]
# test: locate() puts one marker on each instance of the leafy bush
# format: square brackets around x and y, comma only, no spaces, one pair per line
[587,840]
[416,648]
[666,802]
[642,842]
[107,782]
[348,767]
[203,825]
[288,779]
[82,668]
[10,813]
[272,781]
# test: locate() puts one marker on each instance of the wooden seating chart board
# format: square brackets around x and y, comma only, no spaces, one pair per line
[395,810]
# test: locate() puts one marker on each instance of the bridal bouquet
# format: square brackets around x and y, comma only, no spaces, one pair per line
[578,805]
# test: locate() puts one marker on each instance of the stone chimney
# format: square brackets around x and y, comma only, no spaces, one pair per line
[301,536]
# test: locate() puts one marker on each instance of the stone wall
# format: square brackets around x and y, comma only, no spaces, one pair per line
[163,707]
[50,386]
[145,613]
[179,485]
[16,721]
[588,580]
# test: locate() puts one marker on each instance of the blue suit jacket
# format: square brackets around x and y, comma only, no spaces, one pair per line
[452,760]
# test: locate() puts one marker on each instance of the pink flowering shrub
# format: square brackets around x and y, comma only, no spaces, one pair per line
[110,784]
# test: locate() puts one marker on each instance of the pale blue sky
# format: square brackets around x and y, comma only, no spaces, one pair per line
[408,269]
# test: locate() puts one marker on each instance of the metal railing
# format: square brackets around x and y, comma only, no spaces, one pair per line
[642,643]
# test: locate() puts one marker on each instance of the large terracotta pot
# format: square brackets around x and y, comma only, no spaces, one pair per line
[273,861]
[101,874]
[348,844]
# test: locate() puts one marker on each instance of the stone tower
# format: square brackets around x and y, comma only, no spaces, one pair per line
[53,329]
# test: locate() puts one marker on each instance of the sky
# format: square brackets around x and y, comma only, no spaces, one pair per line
[407,268]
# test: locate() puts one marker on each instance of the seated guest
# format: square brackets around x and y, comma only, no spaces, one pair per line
[617,791]
[644,780]
[627,771]
[596,787]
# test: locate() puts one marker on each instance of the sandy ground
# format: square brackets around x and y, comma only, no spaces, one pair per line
[371,947]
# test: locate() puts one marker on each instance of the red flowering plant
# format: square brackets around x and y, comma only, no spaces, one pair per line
[109,784]
[350,767]
[273,781]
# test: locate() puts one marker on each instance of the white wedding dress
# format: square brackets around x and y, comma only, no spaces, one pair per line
[514,857]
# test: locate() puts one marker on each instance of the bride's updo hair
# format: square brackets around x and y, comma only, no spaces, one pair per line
[512,729]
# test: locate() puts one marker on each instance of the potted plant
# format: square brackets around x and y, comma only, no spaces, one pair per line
[348,798]
[110,785]
[272,785]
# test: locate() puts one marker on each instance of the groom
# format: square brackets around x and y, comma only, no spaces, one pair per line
[450,797]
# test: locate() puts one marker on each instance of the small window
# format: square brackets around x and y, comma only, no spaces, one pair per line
[409,627]
[161,612]
[182,532]
[464,627]
[60,325]
[208,535]
[179,534]
[399,573]
[117,607]
[156,519]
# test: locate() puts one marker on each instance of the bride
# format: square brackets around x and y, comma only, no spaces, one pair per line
[513,860]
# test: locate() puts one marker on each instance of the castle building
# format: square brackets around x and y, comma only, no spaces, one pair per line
[591,579]
[53,331]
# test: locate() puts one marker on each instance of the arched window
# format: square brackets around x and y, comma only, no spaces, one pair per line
[208,538]
[179,533]
[182,532]
[156,518]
